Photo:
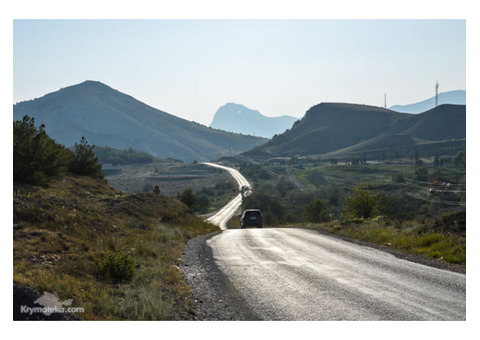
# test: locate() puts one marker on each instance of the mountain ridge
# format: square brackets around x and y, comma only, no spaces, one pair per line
[333,128]
[457,97]
[108,117]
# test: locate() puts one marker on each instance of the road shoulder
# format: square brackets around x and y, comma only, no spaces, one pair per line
[397,253]
[212,294]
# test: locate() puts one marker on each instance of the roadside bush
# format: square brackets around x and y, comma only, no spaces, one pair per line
[361,203]
[317,211]
[117,266]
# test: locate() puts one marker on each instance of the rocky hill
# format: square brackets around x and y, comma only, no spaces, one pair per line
[238,118]
[107,117]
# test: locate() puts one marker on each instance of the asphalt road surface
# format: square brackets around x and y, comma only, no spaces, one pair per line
[297,274]
[221,217]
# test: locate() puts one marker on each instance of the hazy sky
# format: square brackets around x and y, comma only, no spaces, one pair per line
[190,68]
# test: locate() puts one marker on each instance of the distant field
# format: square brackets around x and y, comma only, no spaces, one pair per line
[212,186]
[172,176]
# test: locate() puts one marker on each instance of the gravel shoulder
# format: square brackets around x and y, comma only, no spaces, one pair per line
[214,297]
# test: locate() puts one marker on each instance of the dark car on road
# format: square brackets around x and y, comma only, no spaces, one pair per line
[251,218]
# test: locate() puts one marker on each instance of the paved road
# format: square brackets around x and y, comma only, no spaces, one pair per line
[296,274]
[221,217]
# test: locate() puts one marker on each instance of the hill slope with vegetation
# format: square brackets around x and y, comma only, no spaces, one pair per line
[113,254]
[329,127]
[107,117]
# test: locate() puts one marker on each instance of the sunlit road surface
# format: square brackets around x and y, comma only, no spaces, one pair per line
[221,217]
[297,274]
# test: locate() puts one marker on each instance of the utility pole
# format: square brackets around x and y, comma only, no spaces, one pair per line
[436,94]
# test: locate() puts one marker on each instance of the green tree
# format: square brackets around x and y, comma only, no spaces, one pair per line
[317,211]
[188,198]
[361,203]
[36,157]
[284,186]
[421,174]
[85,162]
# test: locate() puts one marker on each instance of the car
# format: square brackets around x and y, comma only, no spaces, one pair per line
[251,218]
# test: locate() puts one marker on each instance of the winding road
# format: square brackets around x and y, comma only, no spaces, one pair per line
[221,217]
[298,274]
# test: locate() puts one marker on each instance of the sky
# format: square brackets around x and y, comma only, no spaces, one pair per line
[190,68]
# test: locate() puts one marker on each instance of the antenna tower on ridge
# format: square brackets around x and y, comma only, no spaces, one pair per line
[436,94]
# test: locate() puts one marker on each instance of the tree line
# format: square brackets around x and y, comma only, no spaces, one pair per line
[37,158]
[108,155]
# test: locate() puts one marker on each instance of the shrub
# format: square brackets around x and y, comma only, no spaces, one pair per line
[361,203]
[129,156]
[317,211]
[421,174]
[188,198]
[117,266]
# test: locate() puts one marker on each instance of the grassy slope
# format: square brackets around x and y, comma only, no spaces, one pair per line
[441,237]
[62,233]
[415,239]
[435,231]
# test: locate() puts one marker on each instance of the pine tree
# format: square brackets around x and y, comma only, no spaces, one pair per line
[85,162]
[36,157]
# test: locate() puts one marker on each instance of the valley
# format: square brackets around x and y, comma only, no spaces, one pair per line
[390,181]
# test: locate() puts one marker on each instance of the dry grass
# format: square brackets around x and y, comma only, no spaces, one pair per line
[411,238]
[65,231]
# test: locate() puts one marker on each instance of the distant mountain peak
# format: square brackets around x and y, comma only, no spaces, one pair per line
[240,119]
[456,97]
[90,84]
